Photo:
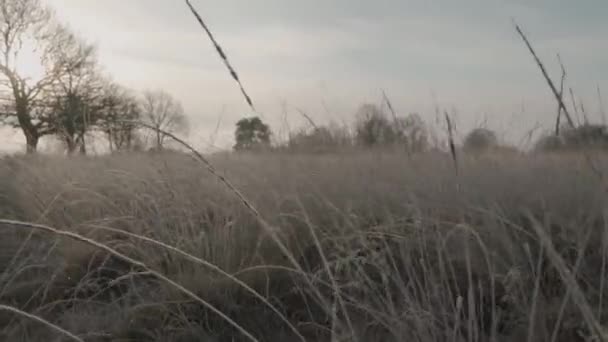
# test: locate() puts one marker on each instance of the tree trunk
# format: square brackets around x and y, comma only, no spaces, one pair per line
[25,123]
[83,146]
[31,141]
[110,144]
[159,142]
[71,144]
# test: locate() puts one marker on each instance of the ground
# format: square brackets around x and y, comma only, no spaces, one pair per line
[356,246]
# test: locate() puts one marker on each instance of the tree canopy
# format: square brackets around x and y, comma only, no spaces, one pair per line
[251,133]
[68,96]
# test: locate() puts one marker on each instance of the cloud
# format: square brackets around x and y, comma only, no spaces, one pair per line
[342,52]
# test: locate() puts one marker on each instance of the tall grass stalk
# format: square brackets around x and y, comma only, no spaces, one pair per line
[40,320]
[222,55]
[600,101]
[451,142]
[561,95]
[336,288]
[535,295]
[578,296]
[268,228]
[566,300]
[206,264]
[145,268]
[603,266]
[548,79]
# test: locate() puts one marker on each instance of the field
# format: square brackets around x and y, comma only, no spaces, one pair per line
[353,246]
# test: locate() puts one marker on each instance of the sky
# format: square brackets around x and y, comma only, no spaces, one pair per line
[327,57]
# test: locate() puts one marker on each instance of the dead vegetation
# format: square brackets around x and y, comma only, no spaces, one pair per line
[412,252]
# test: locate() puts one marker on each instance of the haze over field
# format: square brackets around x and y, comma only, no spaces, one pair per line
[328,57]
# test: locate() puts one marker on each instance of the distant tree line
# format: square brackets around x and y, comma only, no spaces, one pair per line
[71,97]
[374,127]
[587,136]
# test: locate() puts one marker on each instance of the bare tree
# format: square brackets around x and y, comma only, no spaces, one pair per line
[321,139]
[76,96]
[26,26]
[160,110]
[120,112]
[411,132]
[374,127]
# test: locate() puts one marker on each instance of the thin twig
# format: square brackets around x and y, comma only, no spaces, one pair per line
[545,74]
[220,52]
[527,138]
[583,112]
[213,137]
[561,95]
[451,140]
[40,320]
[390,106]
[133,262]
[308,118]
[573,99]
[601,104]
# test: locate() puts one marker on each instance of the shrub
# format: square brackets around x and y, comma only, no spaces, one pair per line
[480,140]
[588,136]
[251,133]
[320,139]
[375,128]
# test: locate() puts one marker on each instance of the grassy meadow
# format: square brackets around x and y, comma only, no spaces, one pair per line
[353,246]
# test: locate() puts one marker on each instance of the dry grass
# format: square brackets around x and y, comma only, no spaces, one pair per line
[400,247]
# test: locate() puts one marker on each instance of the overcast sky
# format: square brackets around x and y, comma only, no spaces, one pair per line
[327,57]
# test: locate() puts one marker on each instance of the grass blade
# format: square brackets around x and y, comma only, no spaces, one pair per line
[222,54]
[136,263]
[578,296]
[40,320]
[541,66]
